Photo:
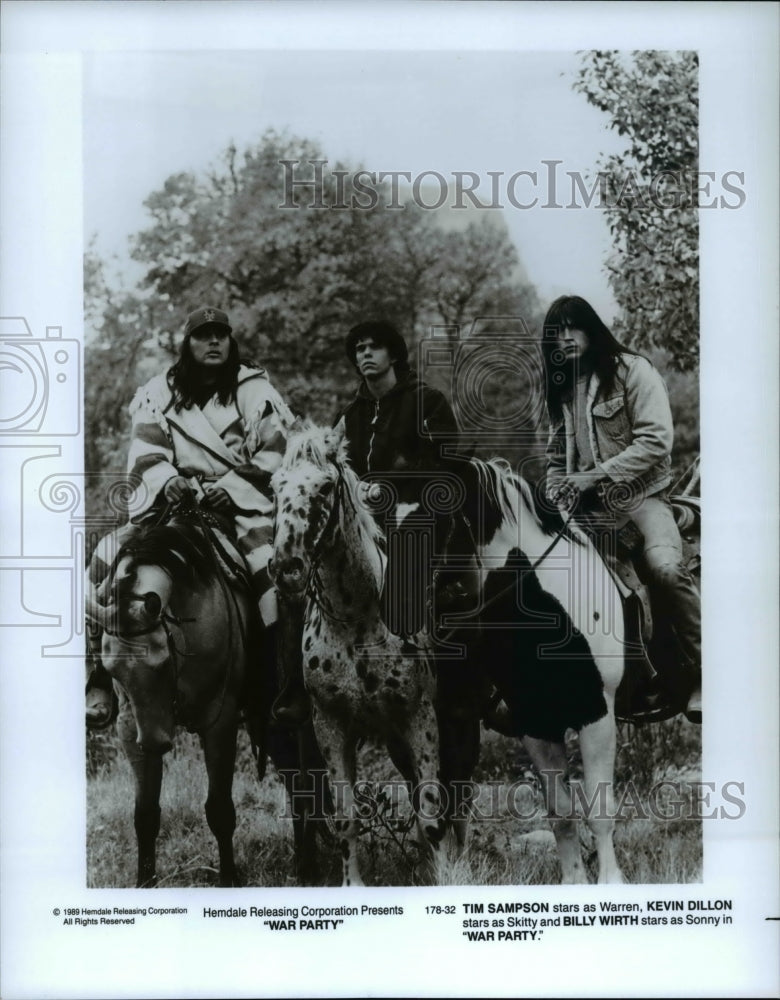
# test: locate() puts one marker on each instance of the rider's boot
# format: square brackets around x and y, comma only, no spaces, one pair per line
[693,708]
[291,706]
[464,691]
[455,598]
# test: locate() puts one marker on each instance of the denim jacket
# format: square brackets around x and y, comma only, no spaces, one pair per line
[630,431]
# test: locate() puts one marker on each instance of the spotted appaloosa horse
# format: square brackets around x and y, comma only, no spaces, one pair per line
[551,626]
[362,679]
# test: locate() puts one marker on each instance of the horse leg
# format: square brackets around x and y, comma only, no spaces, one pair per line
[147,774]
[219,751]
[321,806]
[549,758]
[296,756]
[339,749]
[598,742]
[415,751]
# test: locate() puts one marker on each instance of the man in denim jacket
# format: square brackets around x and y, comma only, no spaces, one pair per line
[610,450]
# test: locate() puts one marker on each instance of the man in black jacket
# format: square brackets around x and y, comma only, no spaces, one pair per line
[396,423]
[398,430]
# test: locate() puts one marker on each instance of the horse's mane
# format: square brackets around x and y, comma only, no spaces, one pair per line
[323,447]
[179,549]
[495,478]
[494,483]
[310,443]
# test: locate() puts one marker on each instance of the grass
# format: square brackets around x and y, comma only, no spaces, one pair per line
[502,848]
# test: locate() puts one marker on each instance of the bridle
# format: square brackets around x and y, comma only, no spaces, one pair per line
[206,523]
[532,567]
[313,587]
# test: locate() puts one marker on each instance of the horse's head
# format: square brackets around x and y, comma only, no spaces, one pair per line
[306,488]
[131,609]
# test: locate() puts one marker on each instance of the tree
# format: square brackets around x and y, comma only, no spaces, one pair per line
[295,278]
[650,194]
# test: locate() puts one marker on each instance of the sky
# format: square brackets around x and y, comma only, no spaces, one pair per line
[147,115]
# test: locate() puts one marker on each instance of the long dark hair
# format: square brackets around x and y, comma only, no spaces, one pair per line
[600,356]
[185,378]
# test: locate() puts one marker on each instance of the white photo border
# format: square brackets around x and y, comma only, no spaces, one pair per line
[42,860]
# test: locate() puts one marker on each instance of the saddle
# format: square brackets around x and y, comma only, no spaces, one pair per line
[221,538]
[650,690]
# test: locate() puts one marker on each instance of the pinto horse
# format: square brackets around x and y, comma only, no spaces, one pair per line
[549,632]
[178,627]
[364,682]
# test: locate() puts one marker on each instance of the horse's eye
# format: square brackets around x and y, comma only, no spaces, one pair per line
[152,604]
[326,488]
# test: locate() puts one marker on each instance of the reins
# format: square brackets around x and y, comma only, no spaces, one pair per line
[164,619]
[313,587]
[527,569]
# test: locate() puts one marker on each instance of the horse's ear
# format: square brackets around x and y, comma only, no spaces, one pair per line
[336,443]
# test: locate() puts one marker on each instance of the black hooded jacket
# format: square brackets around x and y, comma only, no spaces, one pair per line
[401,433]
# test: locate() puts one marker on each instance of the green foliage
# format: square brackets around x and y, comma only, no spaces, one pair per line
[293,280]
[651,194]
[684,400]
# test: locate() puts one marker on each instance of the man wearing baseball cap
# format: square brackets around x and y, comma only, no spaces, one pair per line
[212,427]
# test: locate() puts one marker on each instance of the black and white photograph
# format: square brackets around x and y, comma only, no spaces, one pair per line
[390,499]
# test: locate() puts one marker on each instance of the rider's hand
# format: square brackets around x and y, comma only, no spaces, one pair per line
[567,492]
[176,489]
[216,498]
[583,481]
[564,495]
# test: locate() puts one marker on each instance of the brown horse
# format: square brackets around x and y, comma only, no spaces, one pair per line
[178,629]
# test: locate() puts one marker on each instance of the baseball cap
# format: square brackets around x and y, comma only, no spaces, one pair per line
[206,316]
